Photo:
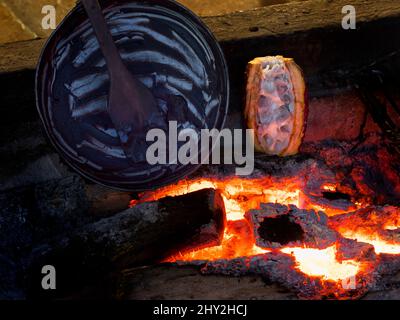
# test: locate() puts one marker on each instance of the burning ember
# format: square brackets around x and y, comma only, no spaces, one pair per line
[380,245]
[268,221]
[376,226]
[239,196]
[323,263]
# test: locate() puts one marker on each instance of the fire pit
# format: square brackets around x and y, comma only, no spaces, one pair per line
[321,224]
[302,228]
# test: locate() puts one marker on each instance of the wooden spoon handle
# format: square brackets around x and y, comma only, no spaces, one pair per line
[103,35]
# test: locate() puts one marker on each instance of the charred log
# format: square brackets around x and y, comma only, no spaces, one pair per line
[140,235]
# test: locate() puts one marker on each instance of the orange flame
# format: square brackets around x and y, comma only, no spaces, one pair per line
[323,263]
[373,227]
[244,193]
[391,227]
[241,195]
[233,245]
[380,245]
[329,187]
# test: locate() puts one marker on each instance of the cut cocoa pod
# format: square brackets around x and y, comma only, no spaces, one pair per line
[276,105]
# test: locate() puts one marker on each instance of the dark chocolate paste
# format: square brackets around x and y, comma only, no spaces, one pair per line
[167,53]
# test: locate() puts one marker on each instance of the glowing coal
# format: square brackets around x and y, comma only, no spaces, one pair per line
[314,264]
[323,263]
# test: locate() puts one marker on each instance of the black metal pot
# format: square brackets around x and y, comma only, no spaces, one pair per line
[165,46]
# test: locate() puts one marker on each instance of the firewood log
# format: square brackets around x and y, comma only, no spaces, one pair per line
[143,234]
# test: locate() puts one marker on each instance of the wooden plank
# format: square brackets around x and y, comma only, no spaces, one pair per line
[318,51]
[310,32]
[293,17]
[12,28]
[19,56]
[258,24]
[30,12]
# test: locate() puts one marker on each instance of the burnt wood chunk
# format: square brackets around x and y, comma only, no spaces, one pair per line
[171,282]
[150,231]
[283,268]
[166,282]
[278,226]
[278,279]
[367,224]
[146,233]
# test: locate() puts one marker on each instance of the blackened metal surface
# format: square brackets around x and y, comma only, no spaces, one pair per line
[164,46]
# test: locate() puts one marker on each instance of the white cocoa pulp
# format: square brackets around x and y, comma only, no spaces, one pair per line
[275,114]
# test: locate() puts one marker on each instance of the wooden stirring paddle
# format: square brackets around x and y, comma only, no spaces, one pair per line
[130,103]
